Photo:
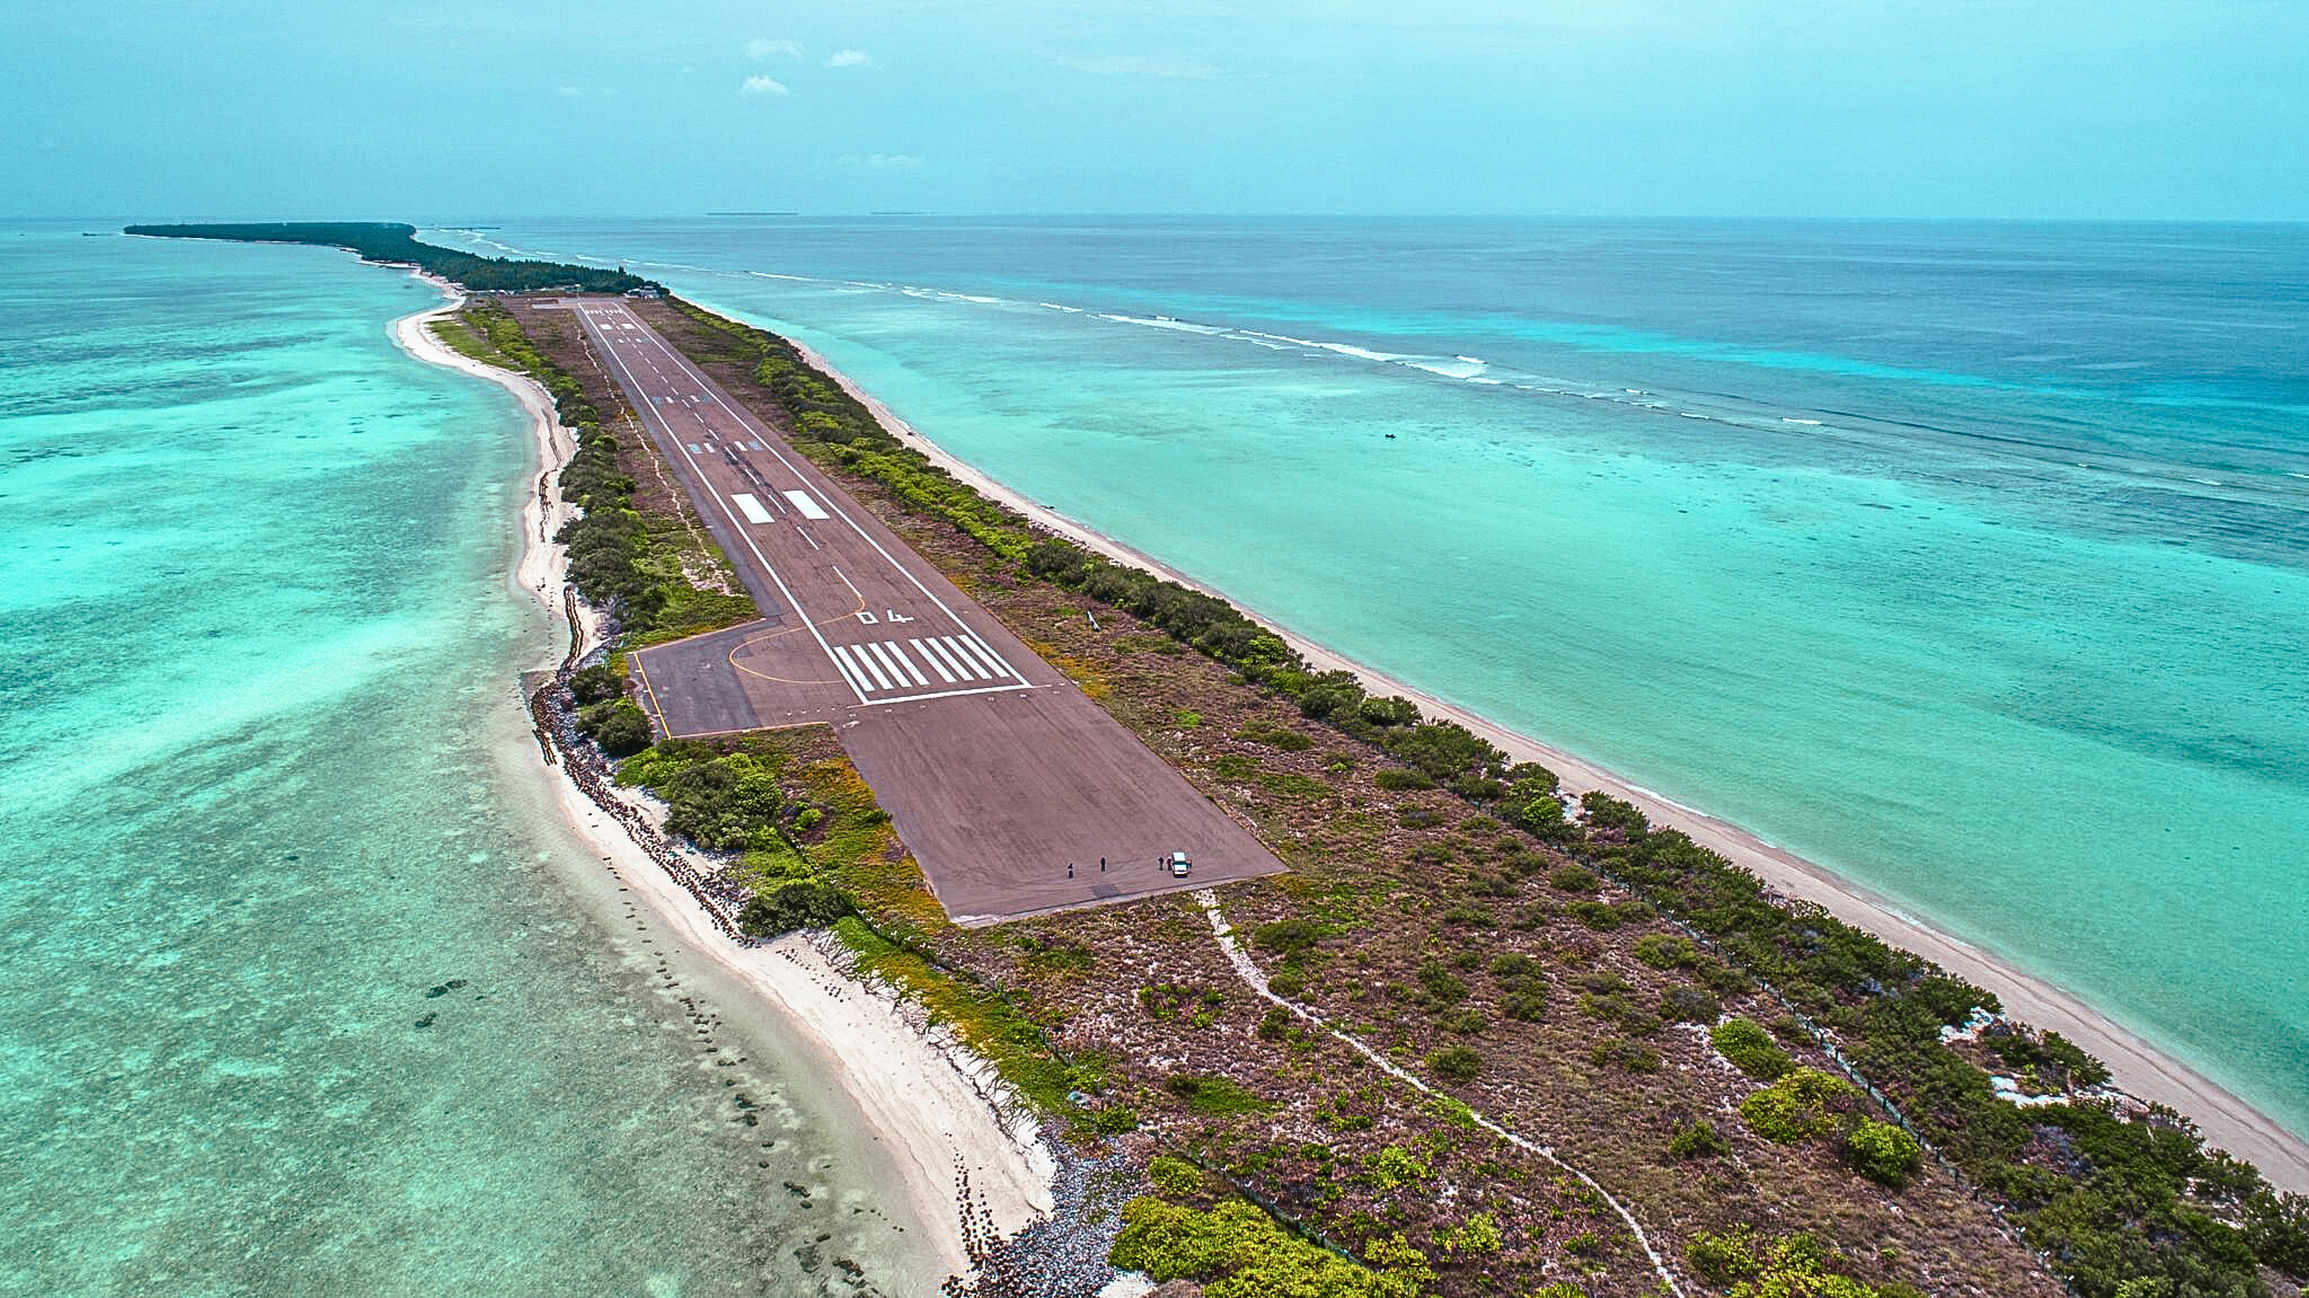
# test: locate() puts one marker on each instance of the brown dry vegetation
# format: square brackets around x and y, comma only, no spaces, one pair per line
[1414,902]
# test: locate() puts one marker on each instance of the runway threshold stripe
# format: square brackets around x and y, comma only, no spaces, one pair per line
[849,673]
[873,668]
[938,651]
[992,660]
[988,650]
[932,659]
[898,652]
[961,650]
[859,666]
[897,677]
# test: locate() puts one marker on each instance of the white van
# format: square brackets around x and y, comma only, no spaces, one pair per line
[1180,865]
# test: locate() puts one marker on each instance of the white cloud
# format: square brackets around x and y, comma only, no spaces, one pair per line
[763,86]
[886,161]
[759,48]
[849,59]
[1127,66]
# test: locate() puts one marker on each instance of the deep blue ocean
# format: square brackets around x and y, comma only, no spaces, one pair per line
[1971,560]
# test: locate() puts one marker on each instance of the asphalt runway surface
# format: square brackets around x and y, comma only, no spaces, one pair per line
[996,771]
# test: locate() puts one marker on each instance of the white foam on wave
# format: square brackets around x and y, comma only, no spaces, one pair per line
[1814,423]
[1060,306]
[1365,353]
[1463,367]
[1165,322]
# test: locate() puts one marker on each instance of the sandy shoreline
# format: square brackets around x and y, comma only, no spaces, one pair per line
[2139,1068]
[937,1114]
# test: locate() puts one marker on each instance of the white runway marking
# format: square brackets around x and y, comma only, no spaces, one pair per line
[850,673]
[751,508]
[932,659]
[963,655]
[873,668]
[897,677]
[938,653]
[807,504]
[898,652]
[982,647]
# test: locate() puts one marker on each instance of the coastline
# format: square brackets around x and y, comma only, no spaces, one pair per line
[2138,1067]
[942,1120]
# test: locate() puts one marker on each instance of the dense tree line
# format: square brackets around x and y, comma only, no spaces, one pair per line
[397,243]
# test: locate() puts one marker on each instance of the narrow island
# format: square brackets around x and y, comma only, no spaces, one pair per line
[1484,1035]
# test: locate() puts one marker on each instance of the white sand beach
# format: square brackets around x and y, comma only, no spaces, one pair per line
[935,1111]
[2138,1067]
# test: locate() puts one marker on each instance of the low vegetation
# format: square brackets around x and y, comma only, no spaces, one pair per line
[1560,965]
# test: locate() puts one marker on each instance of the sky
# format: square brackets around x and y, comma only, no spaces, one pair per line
[449,109]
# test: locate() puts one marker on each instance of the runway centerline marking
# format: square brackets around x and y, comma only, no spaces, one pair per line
[699,473]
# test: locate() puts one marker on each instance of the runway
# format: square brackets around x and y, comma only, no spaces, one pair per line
[996,770]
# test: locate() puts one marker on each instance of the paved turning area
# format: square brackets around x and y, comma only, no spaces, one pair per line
[996,770]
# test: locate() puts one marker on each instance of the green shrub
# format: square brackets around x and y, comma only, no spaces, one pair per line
[1663,951]
[1112,1120]
[1627,1054]
[1282,737]
[596,684]
[1174,1178]
[1438,985]
[621,728]
[1689,1005]
[1456,1064]
[791,906]
[1882,1152]
[1276,1024]
[724,802]
[1394,711]
[1797,1268]
[1798,1107]
[1477,1234]
[1723,1259]
[1541,816]
[1751,1049]
[1596,915]
[1525,1006]
[1236,1251]
[1569,877]
[1391,1166]
[1286,937]
[1401,779]
[1514,964]
[1288,982]
[1698,1139]
[1213,1097]
[1465,1020]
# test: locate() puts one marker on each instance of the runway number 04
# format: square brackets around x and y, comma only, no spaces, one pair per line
[888,615]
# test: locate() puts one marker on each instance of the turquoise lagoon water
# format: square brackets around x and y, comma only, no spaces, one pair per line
[265,793]
[1971,560]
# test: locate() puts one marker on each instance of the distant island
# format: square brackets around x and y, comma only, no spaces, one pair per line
[394,242]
